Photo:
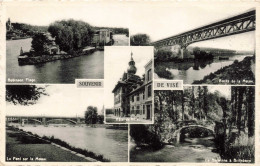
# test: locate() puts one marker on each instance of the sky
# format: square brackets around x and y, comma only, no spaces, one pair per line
[95,14]
[224,90]
[165,21]
[158,20]
[63,100]
[116,63]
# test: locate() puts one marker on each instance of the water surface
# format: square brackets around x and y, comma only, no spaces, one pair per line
[112,144]
[60,71]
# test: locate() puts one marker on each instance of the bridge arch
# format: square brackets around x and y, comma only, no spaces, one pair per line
[35,120]
[177,133]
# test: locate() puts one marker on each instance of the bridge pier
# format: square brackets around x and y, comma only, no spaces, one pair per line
[44,121]
[182,50]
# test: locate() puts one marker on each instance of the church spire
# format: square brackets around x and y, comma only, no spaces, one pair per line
[131,68]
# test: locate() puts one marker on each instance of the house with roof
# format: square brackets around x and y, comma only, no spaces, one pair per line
[133,94]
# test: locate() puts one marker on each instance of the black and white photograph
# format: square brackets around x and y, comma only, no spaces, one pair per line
[61,123]
[199,46]
[198,124]
[129,82]
[128,85]
[63,45]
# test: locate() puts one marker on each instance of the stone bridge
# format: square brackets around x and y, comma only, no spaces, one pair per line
[43,120]
[177,133]
[234,25]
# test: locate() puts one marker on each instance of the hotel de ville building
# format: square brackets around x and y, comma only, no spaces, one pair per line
[133,94]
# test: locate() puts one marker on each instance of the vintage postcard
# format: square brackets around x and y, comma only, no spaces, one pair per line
[129,83]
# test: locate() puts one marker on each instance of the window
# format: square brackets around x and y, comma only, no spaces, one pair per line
[138,97]
[143,95]
[138,110]
[149,91]
[133,99]
[149,74]
[132,110]
[143,109]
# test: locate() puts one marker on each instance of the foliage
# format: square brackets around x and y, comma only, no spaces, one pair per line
[200,54]
[91,116]
[164,55]
[140,40]
[241,149]
[24,94]
[71,35]
[142,135]
[161,71]
[100,119]
[40,43]
[238,72]
[29,29]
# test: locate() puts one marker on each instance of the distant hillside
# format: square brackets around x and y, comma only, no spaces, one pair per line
[25,28]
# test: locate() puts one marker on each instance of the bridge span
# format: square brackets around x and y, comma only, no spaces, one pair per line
[44,120]
[234,25]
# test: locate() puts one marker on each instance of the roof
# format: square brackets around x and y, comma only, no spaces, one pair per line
[118,85]
[138,88]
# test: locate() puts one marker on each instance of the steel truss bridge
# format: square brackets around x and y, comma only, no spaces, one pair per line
[234,25]
[43,120]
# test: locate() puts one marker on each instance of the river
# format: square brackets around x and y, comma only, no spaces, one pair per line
[112,144]
[60,71]
[191,71]
[192,150]
[121,40]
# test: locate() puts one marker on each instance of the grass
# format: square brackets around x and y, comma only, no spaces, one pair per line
[241,150]
[29,138]
[78,150]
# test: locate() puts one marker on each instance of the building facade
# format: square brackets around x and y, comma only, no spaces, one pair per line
[133,94]
[102,36]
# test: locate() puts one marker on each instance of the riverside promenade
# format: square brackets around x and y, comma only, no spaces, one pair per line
[24,148]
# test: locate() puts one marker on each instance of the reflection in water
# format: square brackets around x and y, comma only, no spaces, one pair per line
[112,144]
[196,70]
[60,71]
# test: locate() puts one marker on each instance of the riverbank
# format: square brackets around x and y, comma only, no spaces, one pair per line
[236,73]
[28,59]
[25,146]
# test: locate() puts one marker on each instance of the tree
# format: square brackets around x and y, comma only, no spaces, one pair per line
[24,94]
[140,40]
[40,44]
[100,119]
[205,101]
[239,108]
[251,111]
[71,35]
[91,115]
